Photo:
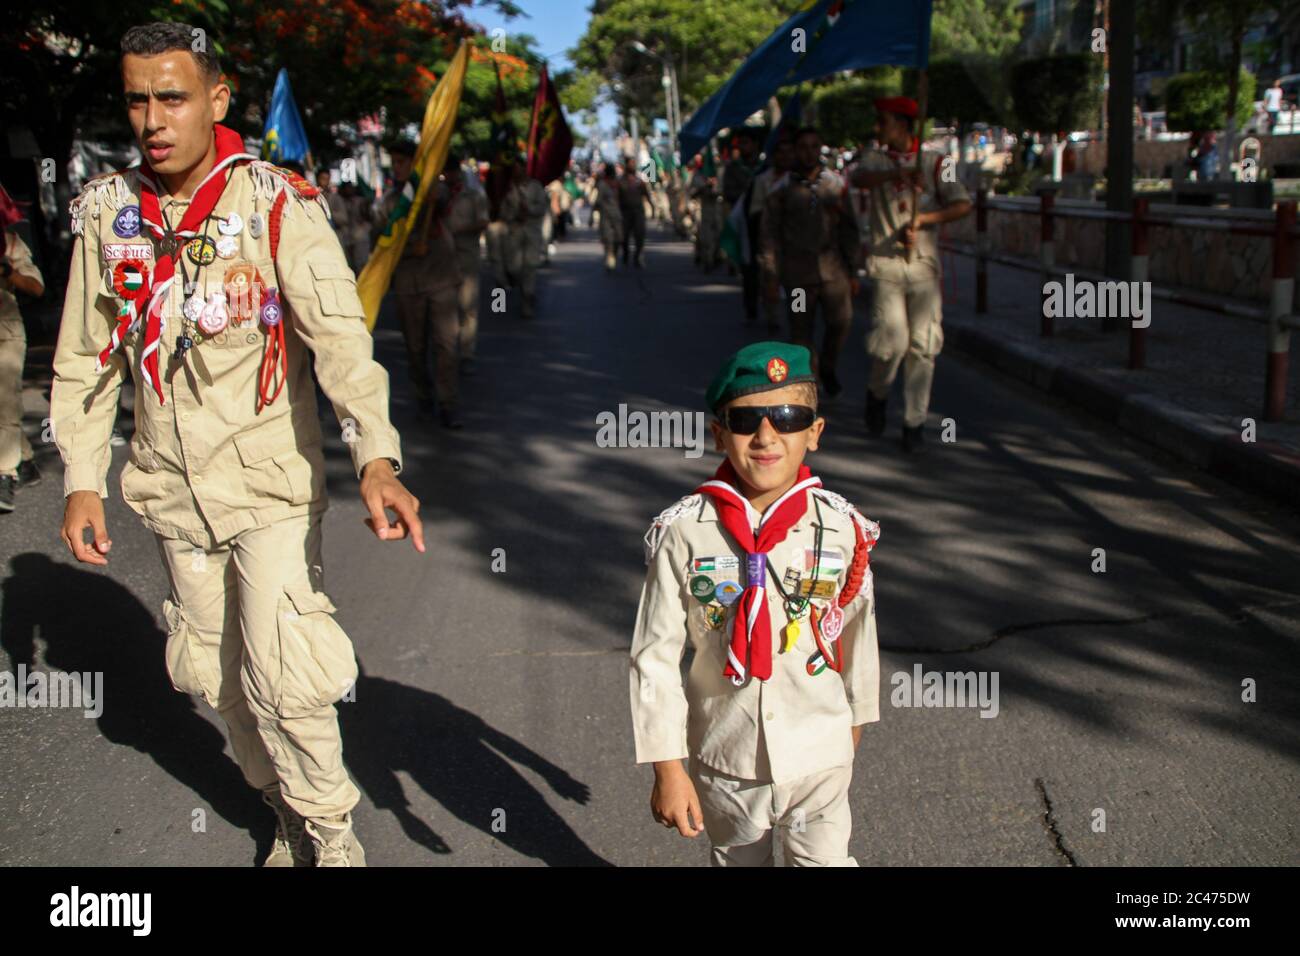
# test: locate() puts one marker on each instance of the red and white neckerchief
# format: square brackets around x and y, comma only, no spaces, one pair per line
[750,651]
[152,296]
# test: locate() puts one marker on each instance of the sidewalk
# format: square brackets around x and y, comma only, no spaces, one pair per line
[1204,375]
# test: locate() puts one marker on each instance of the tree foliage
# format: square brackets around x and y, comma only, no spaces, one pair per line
[1057,93]
[1199,101]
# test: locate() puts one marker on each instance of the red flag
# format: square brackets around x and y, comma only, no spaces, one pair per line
[549,139]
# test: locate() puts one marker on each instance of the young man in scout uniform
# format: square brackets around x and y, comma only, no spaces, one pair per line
[809,245]
[18,273]
[467,217]
[765,183]
[765,575]
[903,261]
[736,177]
[214,278]
[523,209]
[611,215]
[426,284]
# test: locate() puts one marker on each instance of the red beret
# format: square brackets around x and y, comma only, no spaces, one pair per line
[902,105]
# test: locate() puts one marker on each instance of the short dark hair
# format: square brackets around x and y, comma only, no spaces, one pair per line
[153,39]
[803,131]
[402,147]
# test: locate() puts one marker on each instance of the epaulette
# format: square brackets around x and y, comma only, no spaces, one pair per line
[271,181]
[655,536]
[870,529]
[859,582]
[108,191]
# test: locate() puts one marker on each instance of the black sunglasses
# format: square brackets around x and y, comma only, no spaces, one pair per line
[746,419]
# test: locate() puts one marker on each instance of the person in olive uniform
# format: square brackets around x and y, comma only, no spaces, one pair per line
[18,273]
[213,279]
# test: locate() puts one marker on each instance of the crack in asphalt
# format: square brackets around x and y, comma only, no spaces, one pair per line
[1049,822]
[1236,618]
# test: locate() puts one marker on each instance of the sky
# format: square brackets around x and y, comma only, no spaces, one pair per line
[557,25]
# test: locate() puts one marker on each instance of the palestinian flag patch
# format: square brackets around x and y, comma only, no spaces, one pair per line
[129,277]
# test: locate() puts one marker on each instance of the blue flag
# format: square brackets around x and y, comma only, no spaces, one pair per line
[284,140]
[824,37]
[790,116]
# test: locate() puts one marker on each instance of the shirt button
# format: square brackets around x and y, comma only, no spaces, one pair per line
[185,416]
[251,338]
[219,338]
[196,478]
[769,716]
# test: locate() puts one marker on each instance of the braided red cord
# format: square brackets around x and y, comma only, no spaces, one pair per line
[857,568]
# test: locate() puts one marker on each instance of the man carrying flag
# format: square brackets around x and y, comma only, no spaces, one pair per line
[226,280]
[907,309]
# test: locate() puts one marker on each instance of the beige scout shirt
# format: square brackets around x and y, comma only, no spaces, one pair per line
[802,238]
[781,729]
[467,219]
[890,209]
[206,465]
[20,258]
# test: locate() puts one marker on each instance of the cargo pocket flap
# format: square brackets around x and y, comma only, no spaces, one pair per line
[305,600]
[336,289]
[263,442]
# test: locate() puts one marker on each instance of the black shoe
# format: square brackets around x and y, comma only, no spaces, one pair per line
[449,418]
[467,367]
[7,485]
[831,383]
[913,438]
[875,416]
[28,474]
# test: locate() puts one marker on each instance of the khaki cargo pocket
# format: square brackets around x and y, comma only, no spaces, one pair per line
[336,289]
[317,662]
[185,664]
[277,463]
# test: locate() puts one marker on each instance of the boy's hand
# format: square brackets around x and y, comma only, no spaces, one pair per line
[857,735]
[380,489]
[84,509]
[674,802]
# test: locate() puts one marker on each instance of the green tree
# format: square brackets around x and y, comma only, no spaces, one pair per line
[706,40]
[1199,101]
[1056,93]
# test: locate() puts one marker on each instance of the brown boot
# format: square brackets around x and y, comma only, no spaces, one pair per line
[334,842]
[291,847]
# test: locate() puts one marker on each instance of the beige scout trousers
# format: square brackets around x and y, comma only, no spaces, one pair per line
[467,302]
[432,318]
[740,814]
[251,632]
[14,446]
[906,330]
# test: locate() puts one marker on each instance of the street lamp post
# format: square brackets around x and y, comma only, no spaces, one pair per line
[672,105]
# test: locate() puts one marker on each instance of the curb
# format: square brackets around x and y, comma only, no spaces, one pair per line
[1262,467]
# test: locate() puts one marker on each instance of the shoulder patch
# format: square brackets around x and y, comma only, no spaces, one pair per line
[109,192]
[655,536]
[870,529]
[270,181]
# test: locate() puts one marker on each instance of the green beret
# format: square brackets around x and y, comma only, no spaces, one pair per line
[760,367]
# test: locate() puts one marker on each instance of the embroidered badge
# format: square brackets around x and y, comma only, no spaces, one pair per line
[126,224]
[119,251]
[777,370]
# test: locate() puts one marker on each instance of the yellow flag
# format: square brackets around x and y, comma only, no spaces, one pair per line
[435,137]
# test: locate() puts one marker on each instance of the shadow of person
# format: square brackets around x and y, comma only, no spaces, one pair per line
[91,623]
[461,762]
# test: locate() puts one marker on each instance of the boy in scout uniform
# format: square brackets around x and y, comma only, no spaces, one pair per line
[467,217]
[524,209]
[906,312]
[765,575]
[18,273]
[214,278]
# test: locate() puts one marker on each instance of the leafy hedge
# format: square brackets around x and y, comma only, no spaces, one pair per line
[1057,93]
[1199,101]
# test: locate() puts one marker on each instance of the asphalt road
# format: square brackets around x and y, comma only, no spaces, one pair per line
[1121,736]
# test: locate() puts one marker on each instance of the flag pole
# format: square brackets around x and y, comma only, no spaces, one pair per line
[922,94]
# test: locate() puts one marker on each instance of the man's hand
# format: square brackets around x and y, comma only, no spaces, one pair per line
[674,802]
[857,735]
[380,489]
[81,509]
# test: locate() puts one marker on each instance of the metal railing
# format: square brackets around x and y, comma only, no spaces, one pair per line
[1280,226]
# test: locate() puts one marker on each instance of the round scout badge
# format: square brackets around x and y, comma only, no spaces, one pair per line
[201,250]
[214,317]
[727,592]
[255,225]
[777,370]
[232,225]
[126,224]
[193,307]
[243,287]
[129,278]
[227,246]
[702,588]
[271,313]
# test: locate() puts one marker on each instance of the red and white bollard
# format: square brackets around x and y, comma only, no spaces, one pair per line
[1279,336]
[1047,256]
[1140,272]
